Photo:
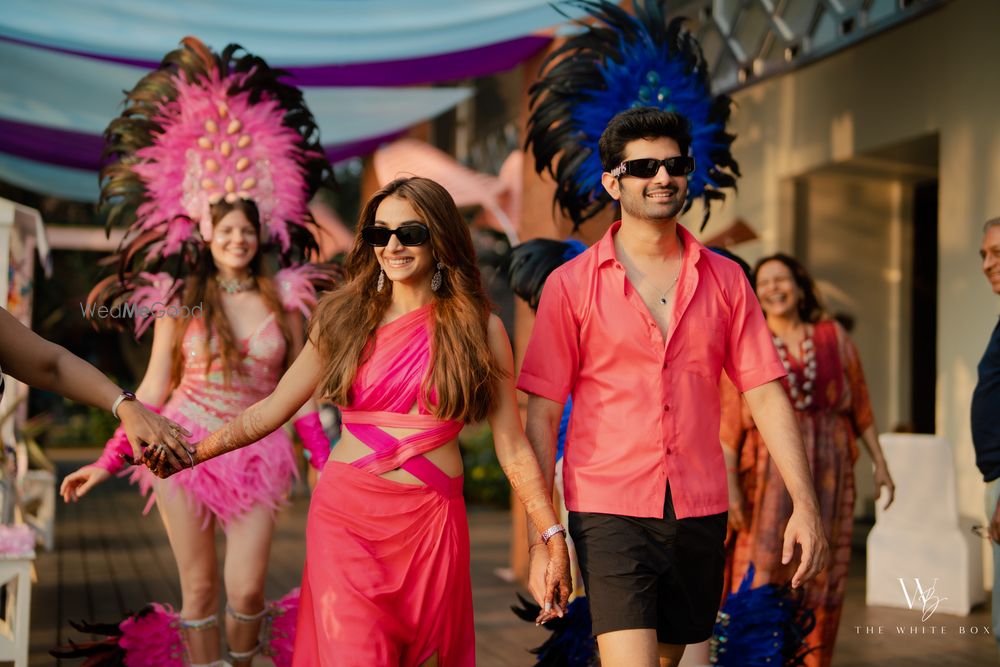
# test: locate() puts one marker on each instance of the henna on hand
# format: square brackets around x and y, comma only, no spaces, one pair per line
[525,476]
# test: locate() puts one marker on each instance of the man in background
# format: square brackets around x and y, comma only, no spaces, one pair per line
[986,413]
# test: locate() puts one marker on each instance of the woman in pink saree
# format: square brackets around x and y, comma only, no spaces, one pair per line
[410,352]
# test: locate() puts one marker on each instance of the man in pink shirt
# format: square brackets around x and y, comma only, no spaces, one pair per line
[637,330]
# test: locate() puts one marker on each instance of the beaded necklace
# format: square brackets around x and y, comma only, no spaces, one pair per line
[236,285]
[802,398]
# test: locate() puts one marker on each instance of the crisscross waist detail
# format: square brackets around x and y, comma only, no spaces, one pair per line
[407,452]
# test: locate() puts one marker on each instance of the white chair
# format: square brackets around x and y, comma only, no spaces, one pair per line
[920,541]
[15,627]
[38,504]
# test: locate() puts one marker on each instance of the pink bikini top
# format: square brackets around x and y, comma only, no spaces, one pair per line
[385,388]
[202,394]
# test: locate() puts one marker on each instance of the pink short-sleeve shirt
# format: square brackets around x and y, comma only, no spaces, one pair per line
[645,409]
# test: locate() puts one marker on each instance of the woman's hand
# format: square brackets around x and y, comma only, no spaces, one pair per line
[145,427]
[162,463]
[883,478]
[76,484]
[558,584]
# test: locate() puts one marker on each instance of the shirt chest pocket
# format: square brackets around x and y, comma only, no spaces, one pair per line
[701,346]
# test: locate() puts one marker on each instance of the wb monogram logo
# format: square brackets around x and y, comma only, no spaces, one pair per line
[928,600]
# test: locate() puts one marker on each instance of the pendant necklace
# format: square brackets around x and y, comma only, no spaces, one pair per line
[663,295]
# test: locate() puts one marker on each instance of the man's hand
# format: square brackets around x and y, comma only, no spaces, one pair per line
[145,427]
[737,522]
[805,529]
[995,524]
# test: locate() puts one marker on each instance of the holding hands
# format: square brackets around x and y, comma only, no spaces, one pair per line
[142,430]
[549,578]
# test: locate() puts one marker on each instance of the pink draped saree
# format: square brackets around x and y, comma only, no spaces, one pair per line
[387,579]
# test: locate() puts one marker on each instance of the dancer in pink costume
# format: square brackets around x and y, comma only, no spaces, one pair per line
[409,350]
[225,180]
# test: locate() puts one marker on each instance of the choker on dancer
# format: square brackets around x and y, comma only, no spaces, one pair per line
[236,285]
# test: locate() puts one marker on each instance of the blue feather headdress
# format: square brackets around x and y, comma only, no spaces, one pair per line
[620,62]
[761,627]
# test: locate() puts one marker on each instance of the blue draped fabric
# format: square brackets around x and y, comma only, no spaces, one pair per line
[285,32]
[47,179]
[54,107]
[82,95]
[66,64]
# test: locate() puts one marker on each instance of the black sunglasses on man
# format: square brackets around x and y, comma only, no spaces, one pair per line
[680,165]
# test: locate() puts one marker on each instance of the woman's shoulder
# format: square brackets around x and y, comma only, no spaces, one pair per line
[496,332]
[495,325]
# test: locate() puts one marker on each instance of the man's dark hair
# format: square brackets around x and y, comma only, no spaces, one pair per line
[641,123]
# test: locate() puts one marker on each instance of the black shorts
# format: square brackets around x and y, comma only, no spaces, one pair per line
[664,574]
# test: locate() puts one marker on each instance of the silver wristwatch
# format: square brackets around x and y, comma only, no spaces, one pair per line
[125,396]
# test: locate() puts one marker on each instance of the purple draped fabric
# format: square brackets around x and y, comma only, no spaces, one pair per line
[65,148]
[83,151]
[468,63]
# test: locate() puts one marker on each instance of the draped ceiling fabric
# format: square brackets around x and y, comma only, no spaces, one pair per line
[66,63]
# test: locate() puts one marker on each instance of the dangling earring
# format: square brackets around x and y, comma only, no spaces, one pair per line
[436,278]
[381,281]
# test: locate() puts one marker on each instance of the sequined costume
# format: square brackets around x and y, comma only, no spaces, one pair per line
[261,473]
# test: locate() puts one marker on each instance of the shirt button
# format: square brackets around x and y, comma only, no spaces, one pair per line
[670,450]
[666,408]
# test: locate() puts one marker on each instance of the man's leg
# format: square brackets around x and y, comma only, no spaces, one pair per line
[628,648]
[671,654]
[617,566]
[696,655]
[691,588]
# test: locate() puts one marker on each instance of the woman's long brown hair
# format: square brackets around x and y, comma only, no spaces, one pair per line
[202,288]
[463,370]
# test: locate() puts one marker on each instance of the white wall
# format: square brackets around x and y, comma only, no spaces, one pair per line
[855,236]
[936,74]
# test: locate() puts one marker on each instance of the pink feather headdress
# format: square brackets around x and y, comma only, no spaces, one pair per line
[214,146]
[202,128]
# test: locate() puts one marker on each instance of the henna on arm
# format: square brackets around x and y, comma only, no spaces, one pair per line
[525,476]
[517,458]
[262,418]
[248,427]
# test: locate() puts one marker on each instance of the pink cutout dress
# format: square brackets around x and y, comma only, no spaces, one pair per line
[261,473]
[387,580]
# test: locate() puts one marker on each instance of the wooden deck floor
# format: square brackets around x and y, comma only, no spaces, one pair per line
[108,559]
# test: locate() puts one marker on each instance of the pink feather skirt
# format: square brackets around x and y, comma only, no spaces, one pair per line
[229,485]
[386,580]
